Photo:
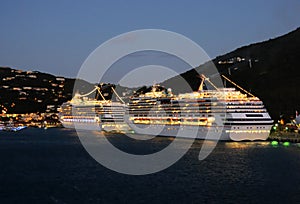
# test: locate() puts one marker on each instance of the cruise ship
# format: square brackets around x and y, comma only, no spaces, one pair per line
[219,114]
[99,113]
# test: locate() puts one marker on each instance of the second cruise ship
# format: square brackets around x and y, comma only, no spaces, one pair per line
[98,113]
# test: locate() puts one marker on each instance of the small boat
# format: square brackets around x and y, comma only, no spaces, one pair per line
[12,128]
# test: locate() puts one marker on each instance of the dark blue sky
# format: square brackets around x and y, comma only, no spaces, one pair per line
[57,36]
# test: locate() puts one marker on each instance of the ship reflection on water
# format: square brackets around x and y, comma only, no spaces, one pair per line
[246,145]
[161,142]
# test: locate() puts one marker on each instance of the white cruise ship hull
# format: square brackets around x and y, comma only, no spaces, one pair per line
[246,133]
[107,126]
[81,125]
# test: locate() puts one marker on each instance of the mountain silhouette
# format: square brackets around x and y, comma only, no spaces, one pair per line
[270,70]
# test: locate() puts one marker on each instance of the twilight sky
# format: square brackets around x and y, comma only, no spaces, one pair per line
[56,36]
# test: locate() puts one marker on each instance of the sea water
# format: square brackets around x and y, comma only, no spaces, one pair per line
[51,166]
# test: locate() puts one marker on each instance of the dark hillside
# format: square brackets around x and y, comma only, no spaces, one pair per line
[269,70]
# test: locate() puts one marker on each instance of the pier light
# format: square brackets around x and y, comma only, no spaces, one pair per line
[286,144]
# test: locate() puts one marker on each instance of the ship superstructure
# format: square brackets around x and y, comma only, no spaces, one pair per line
[87,113]
[222,113]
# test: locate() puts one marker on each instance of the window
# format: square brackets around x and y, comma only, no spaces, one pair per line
[254,115]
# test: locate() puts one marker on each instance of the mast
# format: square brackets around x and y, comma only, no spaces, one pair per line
[202,77]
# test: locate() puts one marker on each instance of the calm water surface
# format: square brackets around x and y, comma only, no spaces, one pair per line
[51,166]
